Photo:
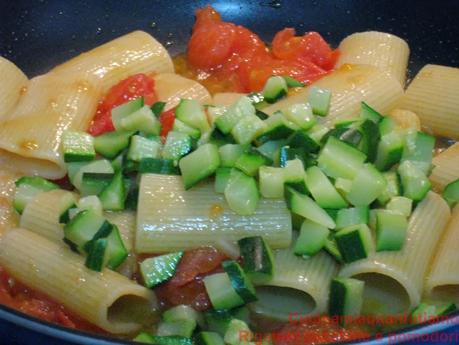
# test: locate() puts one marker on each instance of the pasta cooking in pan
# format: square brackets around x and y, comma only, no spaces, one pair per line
[234,193]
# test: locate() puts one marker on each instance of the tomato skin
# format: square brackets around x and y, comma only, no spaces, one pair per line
[127,89]
[167,119]
[187,287]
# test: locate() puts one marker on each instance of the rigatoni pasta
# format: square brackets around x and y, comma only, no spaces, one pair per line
[107,299]
[432,95]
[14,83]
[446,167]
[394,280]
[126,223]
[298,285]
[349,86]
[168,218]
[443,280]
[385,51]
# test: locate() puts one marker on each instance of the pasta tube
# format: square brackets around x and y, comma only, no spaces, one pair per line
[443,280]
[298,286]
[136,52]
[41,215]
[14,82]
[432,95]
[350,85]
[394,280]
[446,168]
[170,218]
[107,299]
[8,217]
[388,52]
[170,88]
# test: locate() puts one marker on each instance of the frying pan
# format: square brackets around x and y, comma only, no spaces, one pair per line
[38,34]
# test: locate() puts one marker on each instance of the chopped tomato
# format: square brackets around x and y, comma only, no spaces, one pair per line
[128,89]
[167,119]
[17,296]
[239,57]
[187,287]
[319,330]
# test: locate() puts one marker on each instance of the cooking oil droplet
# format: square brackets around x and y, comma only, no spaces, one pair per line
[153,25]
[275,4]
[99,31]
[169,43]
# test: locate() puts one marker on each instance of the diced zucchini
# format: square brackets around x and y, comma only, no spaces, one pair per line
[346,122]
[261,115]
[332,248]
[239,280]
[343,185]
[249,162]
[141,120]
[352,216]
[215,112]
[426,312]
[91,202]
[367,185]
[27,188]
[177,145]
[271,182]
[392,188]
[124,110]
[114,195]
[419,150]
[141,147]
[304,206]
[111,144]
[182,127]
[352,136]
[370,139]
[368,113]
[222,176]
[391,231]
[415,183]
[302,140]
[322,190]
[270,149]
[292,82]
[319,100]
[286,153]
[257,258]
[390,150]
[400,204]
[82,228]
[199,164]
[158,166]
[241,193]
[338,159]
[346,298]
[94,183]
[183,328]
[247,129]
[241,109]
[277,128]
[183,312]
[275,88]
[318,132]
[209,338]
[301,115]
[218,320]
[163,340]
[157,108]
[451,193]
[236,332]
[221,291]
[387,125]
[230,153]
[354,242]
[78,147]
[311,240]
[294,171]
[95,260]
[191,112]
[101,166]
[159,269]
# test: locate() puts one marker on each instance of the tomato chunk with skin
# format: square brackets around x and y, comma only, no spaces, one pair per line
[167,119]
[187,287]
[128,89]
[235,54]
